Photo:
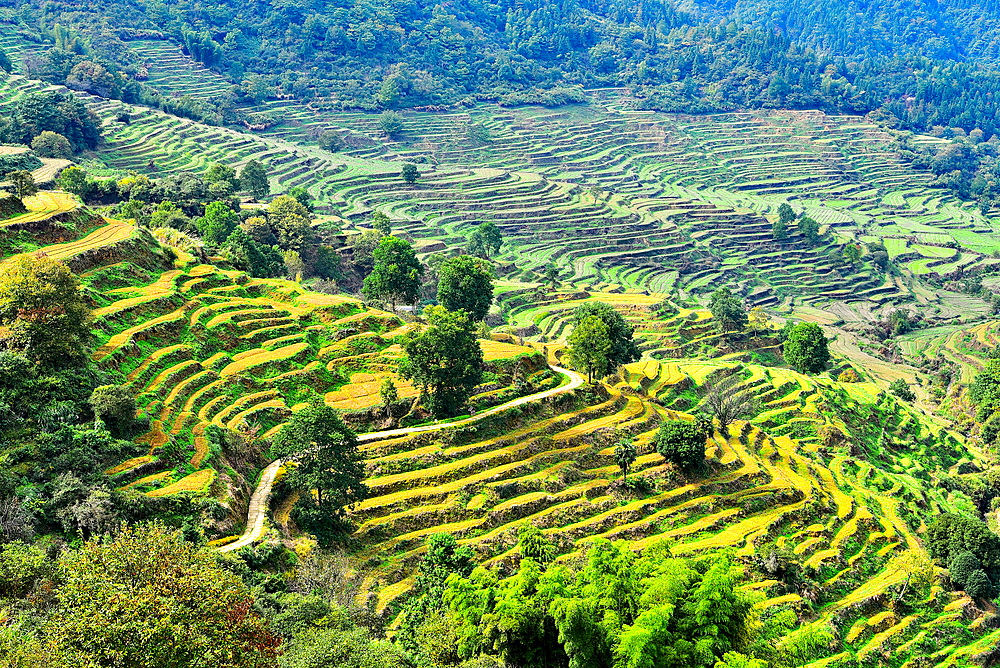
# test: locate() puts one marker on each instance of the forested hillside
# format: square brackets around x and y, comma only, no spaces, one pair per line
[922,64]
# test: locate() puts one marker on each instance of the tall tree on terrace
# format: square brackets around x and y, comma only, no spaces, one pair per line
[589,346]
[329,470]
[396,274]
[466,284]
[623,348]
[728,311]
[253,179]
[445,359]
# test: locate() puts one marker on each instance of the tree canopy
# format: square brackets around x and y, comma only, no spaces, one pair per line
[620,331]
[396,273]
[728,311]
[806,348]
[42,312]
[589,346]
[445,360]
[466,284]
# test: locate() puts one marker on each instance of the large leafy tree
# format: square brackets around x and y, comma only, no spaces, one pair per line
[623,347]
[217,224]
[728,311]
[589,346]
[146,598]
[253,179]
[491,236]
[396,273]
[445,359]
[292,225]
[42,312]
[466,284]
[329,469]
[806,348]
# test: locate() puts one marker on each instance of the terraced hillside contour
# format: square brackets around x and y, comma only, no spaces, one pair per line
[783,482]
[618,200]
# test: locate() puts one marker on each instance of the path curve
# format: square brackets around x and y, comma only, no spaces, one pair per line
[257,510]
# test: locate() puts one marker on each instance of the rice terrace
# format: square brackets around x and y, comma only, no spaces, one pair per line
[558,376]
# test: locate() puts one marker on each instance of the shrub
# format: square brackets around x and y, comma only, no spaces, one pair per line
[978,585]
[902,390]
[806,348]
[848,376]
[682,443]
[115,406]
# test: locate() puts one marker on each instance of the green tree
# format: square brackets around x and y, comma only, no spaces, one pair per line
[786,214]
[74,180]
[292,225]
[852,253]
[396,273]
[24,183]
[115,406]
[381,223]
[779,230]
[589,346]
[552,276]
[253,179]
[329,468]
[259,260]
[476,244]
[42,312]
[387,392]
[364,250]
[409,173]
[466,284]
[682,443]
[806,348]
[222,180]
[445,359]
[625,454]
[809,229]
[728,311]
[444,558]
[532,544]
[217,224]
[492,237]
[51,145]
[302,196]
[390,123]
[620,332]
[146,598]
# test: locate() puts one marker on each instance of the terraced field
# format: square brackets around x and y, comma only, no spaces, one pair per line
[620,201]
[781,482]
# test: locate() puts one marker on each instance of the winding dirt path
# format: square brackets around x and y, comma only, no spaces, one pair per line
[257,511]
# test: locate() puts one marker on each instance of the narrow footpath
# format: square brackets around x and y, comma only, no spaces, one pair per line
[257,511]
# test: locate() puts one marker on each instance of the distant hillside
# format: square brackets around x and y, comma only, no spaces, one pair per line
[923,64]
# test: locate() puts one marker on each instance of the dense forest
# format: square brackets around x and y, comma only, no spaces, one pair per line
[932,66]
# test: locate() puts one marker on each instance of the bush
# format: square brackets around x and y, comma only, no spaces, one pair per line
[682,443]
[902,390]
[115,406]
[978,585]
[51,145]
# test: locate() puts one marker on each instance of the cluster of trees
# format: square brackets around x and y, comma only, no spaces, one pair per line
[720,57]
[969,550]
[806,226]
[55,124]
[146,596]
[612,608]
[62,422]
